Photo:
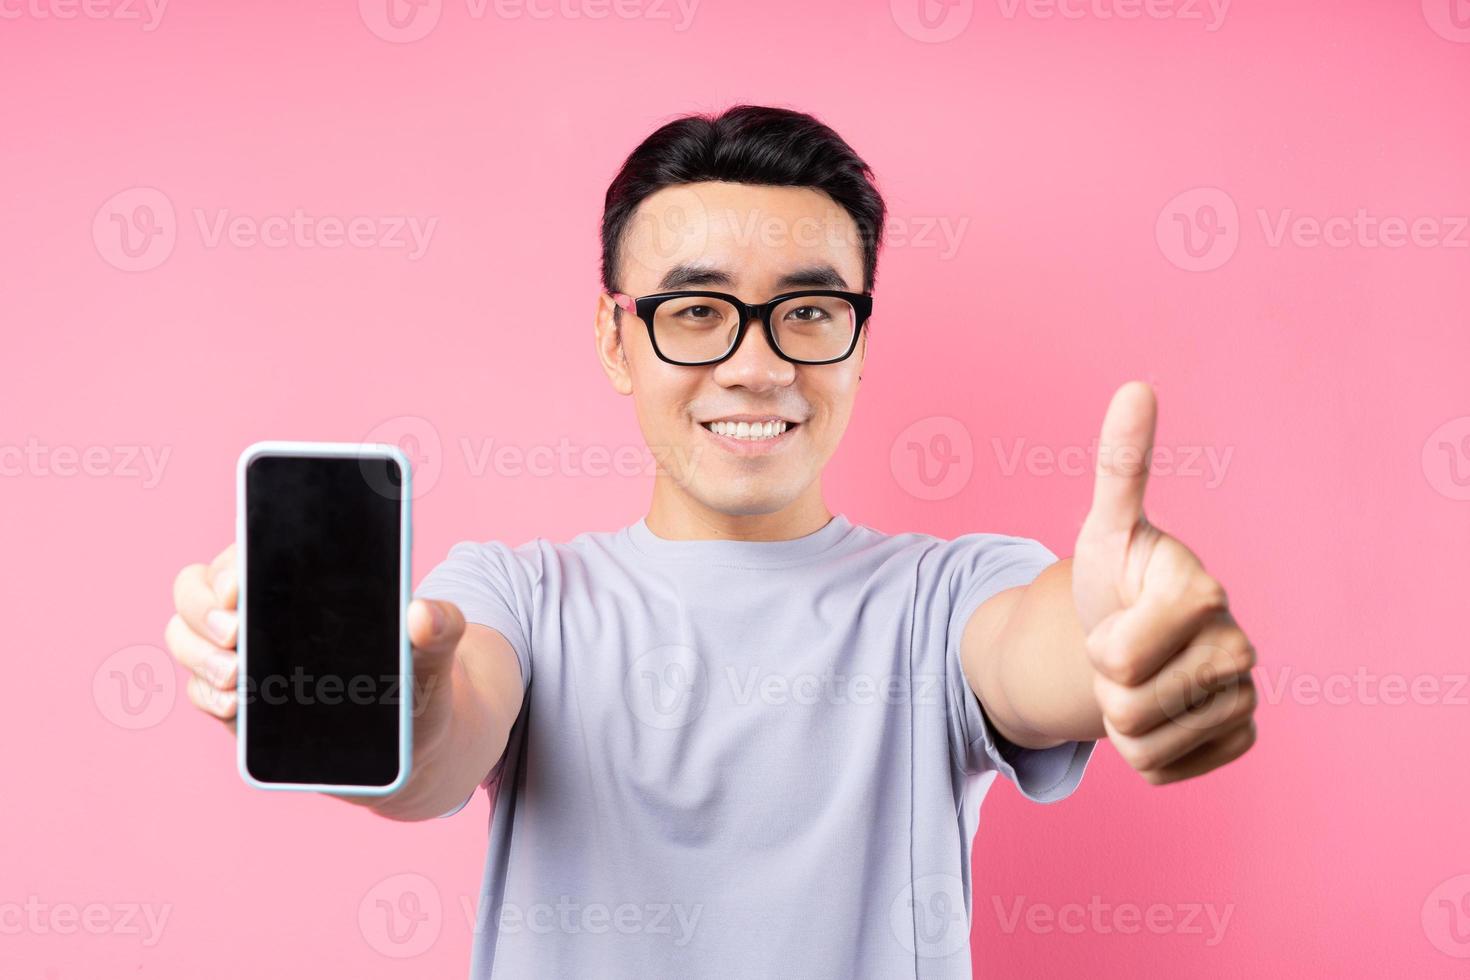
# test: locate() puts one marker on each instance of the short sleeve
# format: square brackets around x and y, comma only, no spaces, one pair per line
[982,566]
[493,585]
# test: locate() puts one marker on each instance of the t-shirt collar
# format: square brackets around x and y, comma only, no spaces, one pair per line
[745,553]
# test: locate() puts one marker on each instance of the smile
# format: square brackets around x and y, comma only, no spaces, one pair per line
[752,431]
[751,436]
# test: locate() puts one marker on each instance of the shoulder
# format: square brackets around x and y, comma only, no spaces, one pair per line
[537,558]
[972,552]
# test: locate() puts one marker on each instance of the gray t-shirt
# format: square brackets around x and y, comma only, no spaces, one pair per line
[740,759]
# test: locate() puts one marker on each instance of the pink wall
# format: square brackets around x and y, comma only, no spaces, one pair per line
[1041,171]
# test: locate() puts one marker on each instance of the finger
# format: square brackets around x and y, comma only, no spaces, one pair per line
[434,628]
[1123,452]
[1177,601]
[196,602]
[1219,713]
[1225,749]
[1214,661]
[214,665]
[221,704]
[224,578]
[1218,666]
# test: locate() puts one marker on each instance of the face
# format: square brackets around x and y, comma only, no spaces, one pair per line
[754,242]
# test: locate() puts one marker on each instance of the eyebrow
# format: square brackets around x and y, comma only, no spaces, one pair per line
[807,277]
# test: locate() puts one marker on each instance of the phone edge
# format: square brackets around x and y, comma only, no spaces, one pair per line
[405,653]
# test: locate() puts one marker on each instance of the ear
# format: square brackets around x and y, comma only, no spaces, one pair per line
[610,351]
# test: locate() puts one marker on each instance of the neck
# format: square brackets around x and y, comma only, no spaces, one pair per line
[675,515]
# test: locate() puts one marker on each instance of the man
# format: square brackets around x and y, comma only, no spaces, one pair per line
[744,737]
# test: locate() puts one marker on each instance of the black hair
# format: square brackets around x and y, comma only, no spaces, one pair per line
[745,144]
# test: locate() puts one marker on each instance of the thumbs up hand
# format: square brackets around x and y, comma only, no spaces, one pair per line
[1171,667]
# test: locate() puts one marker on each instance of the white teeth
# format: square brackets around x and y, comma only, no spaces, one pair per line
[748,430]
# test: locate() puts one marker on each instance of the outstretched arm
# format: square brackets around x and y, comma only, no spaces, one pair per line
[1130,638]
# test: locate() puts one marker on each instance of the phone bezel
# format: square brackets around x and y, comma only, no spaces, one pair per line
[365,450]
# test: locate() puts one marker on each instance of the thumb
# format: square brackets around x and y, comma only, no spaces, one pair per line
[1123,454]
[434,629]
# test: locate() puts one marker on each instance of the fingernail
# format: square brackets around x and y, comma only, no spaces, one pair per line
[220,623]
[222,581]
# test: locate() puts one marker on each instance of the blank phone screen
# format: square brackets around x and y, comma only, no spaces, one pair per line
[322,619]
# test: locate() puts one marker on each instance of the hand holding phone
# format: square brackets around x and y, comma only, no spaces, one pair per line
[201,635]
[331,654]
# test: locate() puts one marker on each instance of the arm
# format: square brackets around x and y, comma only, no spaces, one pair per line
[463,723]
[1130,638]
[1024,657]
[467,686]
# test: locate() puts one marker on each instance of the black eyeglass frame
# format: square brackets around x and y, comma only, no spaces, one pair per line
[643,307]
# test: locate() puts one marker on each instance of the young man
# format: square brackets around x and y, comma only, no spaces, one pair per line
[744,737]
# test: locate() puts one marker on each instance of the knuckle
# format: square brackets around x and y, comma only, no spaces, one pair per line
[1126,723]
[1135,752]
[1120,665]
[210,699]
[225,674]
[187,577]
[173,634]
[1208,594]
[1129,716]
[1229,657]
[1243,656]
[1148,760]
[224,704]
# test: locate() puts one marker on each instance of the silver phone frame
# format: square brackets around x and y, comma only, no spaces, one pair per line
[364,450]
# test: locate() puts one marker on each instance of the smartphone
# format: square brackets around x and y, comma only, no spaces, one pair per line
[323,544]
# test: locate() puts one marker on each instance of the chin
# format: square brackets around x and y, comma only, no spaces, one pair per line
[748,503]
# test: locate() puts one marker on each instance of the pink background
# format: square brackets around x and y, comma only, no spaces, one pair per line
[1331,379]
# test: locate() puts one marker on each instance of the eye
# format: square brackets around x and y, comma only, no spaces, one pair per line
[698,312]
[806,314]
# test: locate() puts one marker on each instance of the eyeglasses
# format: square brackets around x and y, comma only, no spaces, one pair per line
[691,328]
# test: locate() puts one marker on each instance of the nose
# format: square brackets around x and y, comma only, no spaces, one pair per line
[755,365]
